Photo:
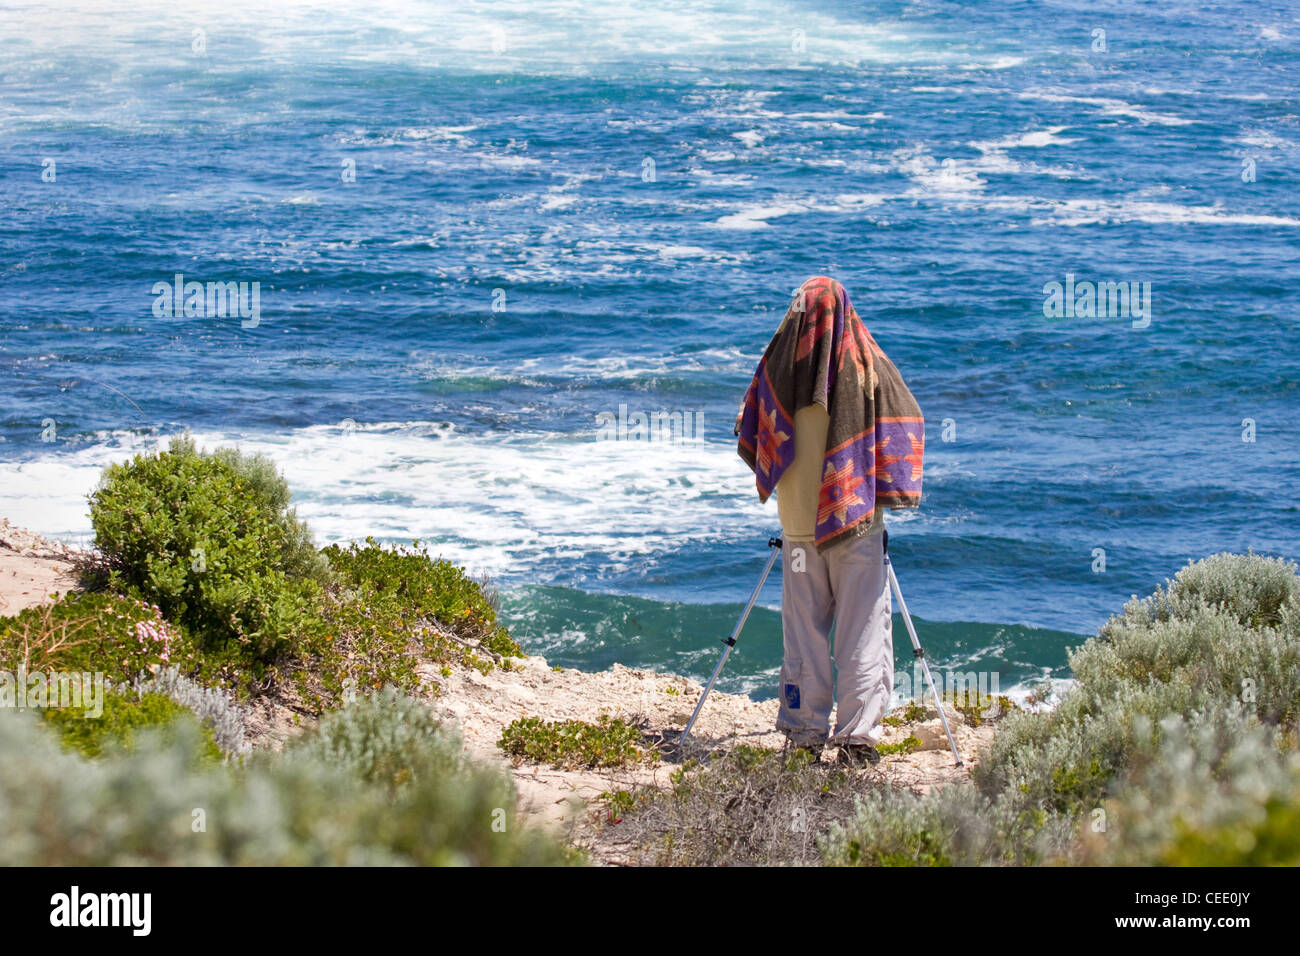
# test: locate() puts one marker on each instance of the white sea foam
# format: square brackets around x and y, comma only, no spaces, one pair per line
[997,63]
[557,198]
[942,178]
[1109,106]
[755,215]
[540,369]
[506,160]
[721,180]
[1266,139]
[567,36]
[958,182]
[684,252]
[449,134]
[495,501]
[833,115]
[1035,138]
[1082,212]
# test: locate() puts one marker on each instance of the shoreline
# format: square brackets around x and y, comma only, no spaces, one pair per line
[482,705]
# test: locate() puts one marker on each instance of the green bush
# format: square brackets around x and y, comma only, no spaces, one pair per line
[907,745]
[384,738]
[1220,642]
[90,633]
[121,722]
[954,825]
[410,587]
[210,539]
[1214,788]
[976,709]
[744,807]
[610,742]
[152,806]
[390,610]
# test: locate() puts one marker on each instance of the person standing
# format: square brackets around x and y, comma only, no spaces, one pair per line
[830,427]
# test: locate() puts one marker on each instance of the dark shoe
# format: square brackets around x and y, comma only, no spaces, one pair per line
[859,755]
[814,751]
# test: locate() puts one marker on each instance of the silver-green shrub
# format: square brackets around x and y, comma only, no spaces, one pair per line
[215,707]
[323,803]
[1173,746]
[385,738]
[953,826]
[1250,587]
[1219,789]
[1062,761]
[1220,634]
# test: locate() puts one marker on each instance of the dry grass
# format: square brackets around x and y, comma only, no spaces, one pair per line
[746,807]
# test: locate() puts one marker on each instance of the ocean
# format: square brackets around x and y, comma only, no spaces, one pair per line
[470,232]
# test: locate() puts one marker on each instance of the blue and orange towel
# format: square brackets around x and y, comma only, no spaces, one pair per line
[823,354]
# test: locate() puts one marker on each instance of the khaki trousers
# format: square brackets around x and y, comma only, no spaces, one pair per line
[849,588]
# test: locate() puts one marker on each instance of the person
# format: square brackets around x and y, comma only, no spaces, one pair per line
[830,427]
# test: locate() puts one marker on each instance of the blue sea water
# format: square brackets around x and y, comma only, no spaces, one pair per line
[560,208]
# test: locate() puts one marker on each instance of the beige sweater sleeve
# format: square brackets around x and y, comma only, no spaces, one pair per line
[798,491]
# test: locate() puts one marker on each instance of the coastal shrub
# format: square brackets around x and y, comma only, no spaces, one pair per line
[907,745]
[955,825]
[385,738]
[1218,789]
[142,807]
[124,717]
[214,708]
[209,537]
[609,742]
[1249,587]
[391,609]
[1221,641]
[1192,645]
[911,713]
[297,555]
[117,636]
[1208,646]
[748,806]
[977,709]
[1064,760]
[409,585]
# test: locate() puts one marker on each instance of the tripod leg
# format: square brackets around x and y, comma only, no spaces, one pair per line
[775,545]
[920,654]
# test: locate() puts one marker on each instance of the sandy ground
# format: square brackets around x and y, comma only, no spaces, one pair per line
[32,569]
[661,704]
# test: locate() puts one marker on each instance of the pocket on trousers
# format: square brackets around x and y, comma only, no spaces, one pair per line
[864,549]
[791,671]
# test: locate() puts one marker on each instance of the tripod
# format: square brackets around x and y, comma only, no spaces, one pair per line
[917,651]
[775,545]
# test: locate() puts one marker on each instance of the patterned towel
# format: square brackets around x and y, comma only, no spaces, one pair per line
[823,353]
